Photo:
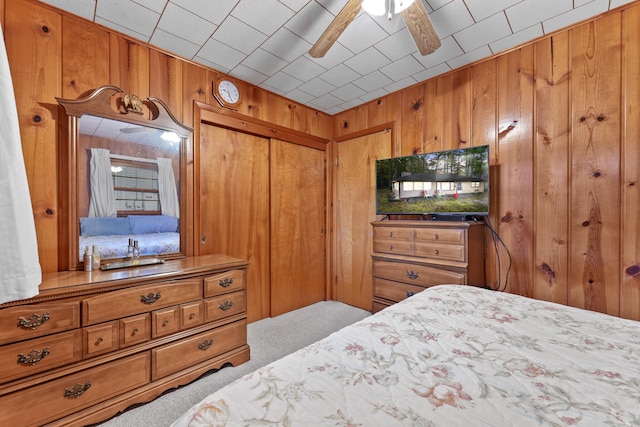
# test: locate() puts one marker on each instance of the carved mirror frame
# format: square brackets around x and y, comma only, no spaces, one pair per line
[110,102]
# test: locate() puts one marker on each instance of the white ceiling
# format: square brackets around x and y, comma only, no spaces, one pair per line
[266,42]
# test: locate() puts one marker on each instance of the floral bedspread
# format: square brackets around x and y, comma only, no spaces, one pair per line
[449,356]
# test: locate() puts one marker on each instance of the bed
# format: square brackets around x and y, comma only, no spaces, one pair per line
[451,355]
[156,235]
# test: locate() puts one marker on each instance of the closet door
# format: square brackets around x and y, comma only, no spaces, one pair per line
[297,226]
[355,209]
[233,175]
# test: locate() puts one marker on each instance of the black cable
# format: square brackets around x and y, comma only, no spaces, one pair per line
[497,239]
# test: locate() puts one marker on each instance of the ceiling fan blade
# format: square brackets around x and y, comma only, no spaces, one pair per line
[421,29]
[337,26]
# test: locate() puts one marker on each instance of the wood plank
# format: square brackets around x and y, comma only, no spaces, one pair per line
[515,150]
[129,66]
[456,101]
[630,230]
[594,273]
[552,169]
[33,39]
[412,111]
[433,118]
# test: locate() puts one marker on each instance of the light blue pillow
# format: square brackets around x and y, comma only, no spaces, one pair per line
[105,226]
[145,224]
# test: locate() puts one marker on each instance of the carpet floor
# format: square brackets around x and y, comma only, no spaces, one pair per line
[269,339]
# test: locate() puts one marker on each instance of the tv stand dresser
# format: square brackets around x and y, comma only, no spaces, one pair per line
[92,344]
[409,256]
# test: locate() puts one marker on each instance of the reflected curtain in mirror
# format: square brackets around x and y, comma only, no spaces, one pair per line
[102,202]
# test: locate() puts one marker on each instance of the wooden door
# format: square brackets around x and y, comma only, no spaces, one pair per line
[298,185]
[233,174]
[355,209]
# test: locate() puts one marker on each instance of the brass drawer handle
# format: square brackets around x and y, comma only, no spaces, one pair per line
[34,321]
[435,236]
[225,283]
[191,316]
[134,332]
[165,323]
[412,274]
[390,247]
[150,298]
[391,234]
[436,252]
[204,345]
[77,390]
[226,305]
[33,357]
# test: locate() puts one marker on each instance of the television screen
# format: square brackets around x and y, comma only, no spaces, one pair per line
[444,182]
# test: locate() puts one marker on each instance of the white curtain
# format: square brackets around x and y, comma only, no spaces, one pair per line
[103,197]
[167,188]
[19,262]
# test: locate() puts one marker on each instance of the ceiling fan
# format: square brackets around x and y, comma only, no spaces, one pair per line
[412,11]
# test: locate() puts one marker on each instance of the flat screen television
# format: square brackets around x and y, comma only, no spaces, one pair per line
[452,184]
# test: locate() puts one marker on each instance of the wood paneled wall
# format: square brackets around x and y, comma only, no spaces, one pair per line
[562,116]
[53,54]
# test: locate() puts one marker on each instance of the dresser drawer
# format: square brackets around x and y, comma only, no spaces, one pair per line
[165,322]
[230,281]
[440,251]
[416,274]
[225,305]
[39,354]
[174,357]
[442,235]
[135,329]
[394,291]
[191,314]
[54,399]
[31,321]
[100,339]
[399,247]
[396,233]
[140,299]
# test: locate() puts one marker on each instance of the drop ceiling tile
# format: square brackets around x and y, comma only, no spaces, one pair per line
[264,62]
[397,45]
[361,33]
[294,5]
[449,49]
[310,22]
[212,10]
[286,45]
[370,96]
[576,15]
[481,9]
[339,75]
[373,81]
[402,68]
[239,35]
[265,16]
[617,3]
[155,5]
[390,26]
[124,30]
[175,44]
[333,6]
[299,96]
[521,15]
[348,92]
[326,101]
[316,87]
[338,54]
[283,82]
[432,72]
[473,56]
[367,61]
[437,4]
[83,8]
[217,67]
[305,68]
[394,87]
[219,53]
[517,39]
[484,32]
[249,75]
[451,18]
[130,15]
[186,25]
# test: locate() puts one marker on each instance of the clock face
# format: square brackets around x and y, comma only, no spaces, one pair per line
[228,91]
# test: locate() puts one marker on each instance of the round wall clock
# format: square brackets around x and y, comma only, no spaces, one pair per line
[226,92]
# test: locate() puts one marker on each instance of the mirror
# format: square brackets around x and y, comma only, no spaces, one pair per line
[124,177]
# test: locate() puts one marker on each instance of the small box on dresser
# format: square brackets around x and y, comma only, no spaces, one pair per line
[92,344]
[409,256]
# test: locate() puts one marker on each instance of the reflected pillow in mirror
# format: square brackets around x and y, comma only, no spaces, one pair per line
[144,224]
[106,226]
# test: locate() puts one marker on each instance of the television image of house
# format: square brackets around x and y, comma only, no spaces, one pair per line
[433,184]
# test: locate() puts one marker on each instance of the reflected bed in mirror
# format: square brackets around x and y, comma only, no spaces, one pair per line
[128,180]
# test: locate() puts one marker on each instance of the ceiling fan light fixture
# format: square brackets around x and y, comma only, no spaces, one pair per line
[379,7]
